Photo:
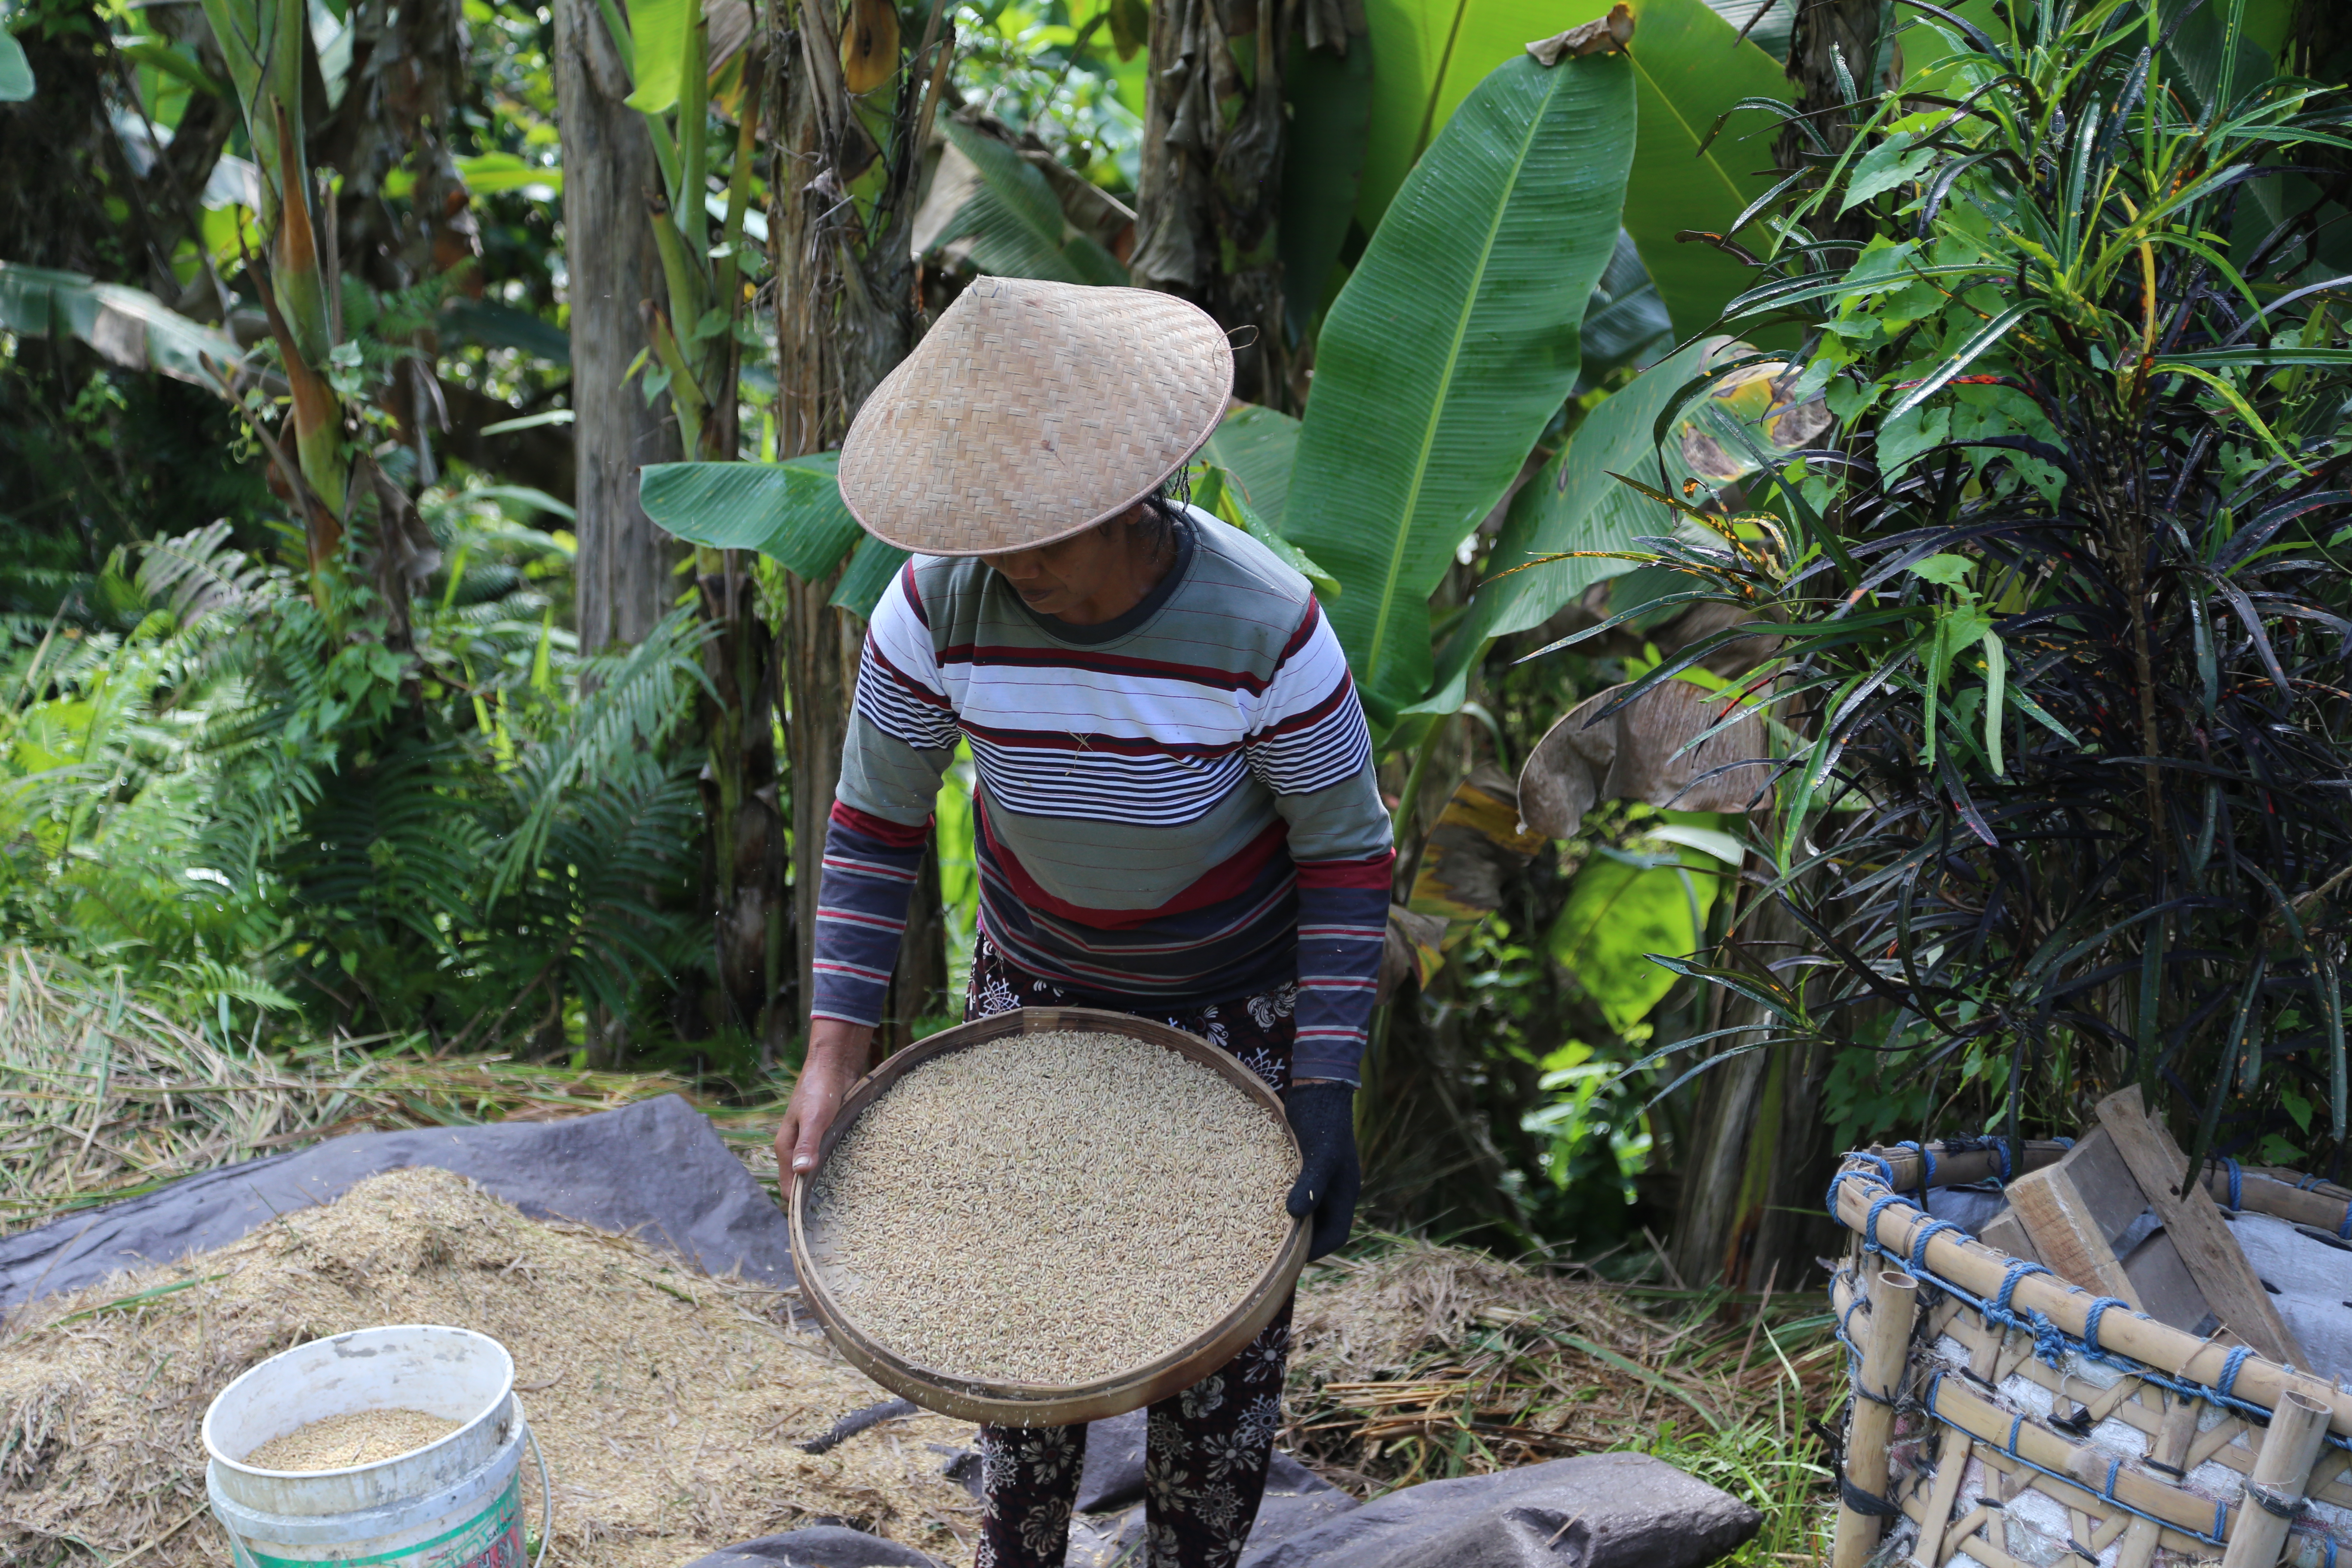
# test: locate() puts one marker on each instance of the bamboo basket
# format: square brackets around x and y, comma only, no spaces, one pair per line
[2001,1417]
[1014,1404]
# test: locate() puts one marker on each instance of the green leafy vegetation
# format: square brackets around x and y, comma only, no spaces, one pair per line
[2058,602]
[472,838]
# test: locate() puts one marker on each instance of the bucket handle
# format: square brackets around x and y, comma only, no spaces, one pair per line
[546,1496]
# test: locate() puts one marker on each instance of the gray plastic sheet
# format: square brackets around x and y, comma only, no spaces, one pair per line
[654,1168]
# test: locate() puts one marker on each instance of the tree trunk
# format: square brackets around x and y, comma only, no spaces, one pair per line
[1827,32]
[1756,1155]
[623,571]
[845,318]
[1211,180]
[820,665]
[739,787]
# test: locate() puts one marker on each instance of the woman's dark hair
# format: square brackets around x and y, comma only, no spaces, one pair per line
[1163,511]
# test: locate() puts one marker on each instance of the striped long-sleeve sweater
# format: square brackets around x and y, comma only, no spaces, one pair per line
[1175,806]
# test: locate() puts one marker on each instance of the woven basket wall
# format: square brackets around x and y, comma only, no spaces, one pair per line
[2025,1434]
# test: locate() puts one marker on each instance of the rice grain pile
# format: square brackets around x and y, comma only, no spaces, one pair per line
[1051,1207]
[671,1404]
[354,1438]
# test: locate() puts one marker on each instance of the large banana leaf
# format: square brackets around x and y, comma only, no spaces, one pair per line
[1770,23]
[1625,905]
[1256,445]
[127,326]
[871,569]
[1454,342]
[791,510]
[1688,70]
[659,31]
[1575,503]
[1220,493]
[1014,221]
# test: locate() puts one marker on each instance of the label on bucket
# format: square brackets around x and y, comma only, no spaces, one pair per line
[491,1539]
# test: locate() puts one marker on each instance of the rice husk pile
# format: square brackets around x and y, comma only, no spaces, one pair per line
[1052,1208]
[669,1405]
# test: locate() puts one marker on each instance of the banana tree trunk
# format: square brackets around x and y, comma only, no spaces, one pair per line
[1756,1155]
[1830,35]
[623,572]
[1211,189]
[845,316]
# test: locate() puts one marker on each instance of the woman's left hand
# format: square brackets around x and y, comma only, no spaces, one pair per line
[1323,1117]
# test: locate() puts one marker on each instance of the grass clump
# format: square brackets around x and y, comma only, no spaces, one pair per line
[103,1095]
[1414,1362]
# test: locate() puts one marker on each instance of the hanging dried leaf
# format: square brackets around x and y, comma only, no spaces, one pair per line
[1605,36]
[1638,753]
[1477,844]
[870,45]
[1412,948]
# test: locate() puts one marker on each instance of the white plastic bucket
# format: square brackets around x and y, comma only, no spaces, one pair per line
[455,1504]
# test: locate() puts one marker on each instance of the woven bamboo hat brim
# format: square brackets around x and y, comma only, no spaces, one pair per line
[1031,411]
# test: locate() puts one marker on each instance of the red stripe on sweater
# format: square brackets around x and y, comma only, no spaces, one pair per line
[1226,880]
[1374,872]
[896,835]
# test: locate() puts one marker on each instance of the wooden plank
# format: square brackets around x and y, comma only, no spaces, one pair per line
[2002,1231]
[2168,1291]
[2068,1233]
[2194,1222]
[2100,1174]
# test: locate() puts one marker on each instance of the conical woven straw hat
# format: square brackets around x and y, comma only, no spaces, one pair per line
[1031,411]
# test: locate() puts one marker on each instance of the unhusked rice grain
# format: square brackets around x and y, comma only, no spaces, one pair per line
[1052,1207]
[354,1438]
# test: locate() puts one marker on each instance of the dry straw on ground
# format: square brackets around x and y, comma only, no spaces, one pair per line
[669,1405]
[1417,1362]
[102,1096]
[1052,1207]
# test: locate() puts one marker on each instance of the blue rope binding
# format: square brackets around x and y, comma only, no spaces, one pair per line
[2091,1322]
[1918,1258]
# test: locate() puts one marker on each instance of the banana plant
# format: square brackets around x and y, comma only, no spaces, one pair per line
[695,333]
[1454,343]
[126,326]
[1691,69]
[263,40]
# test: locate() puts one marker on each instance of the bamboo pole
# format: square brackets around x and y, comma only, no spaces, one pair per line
[2173,1432]
[2084,1467]
[2260,1192]
[2274,1493]
[1959,1170]
[1893,1305]
[1978,1269]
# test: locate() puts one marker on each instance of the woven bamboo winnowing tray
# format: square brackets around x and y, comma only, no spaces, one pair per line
[2029,1422]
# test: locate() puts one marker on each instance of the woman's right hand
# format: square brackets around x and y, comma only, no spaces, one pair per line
[837,1054]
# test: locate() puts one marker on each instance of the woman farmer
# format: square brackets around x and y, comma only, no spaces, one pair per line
[1176,813]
